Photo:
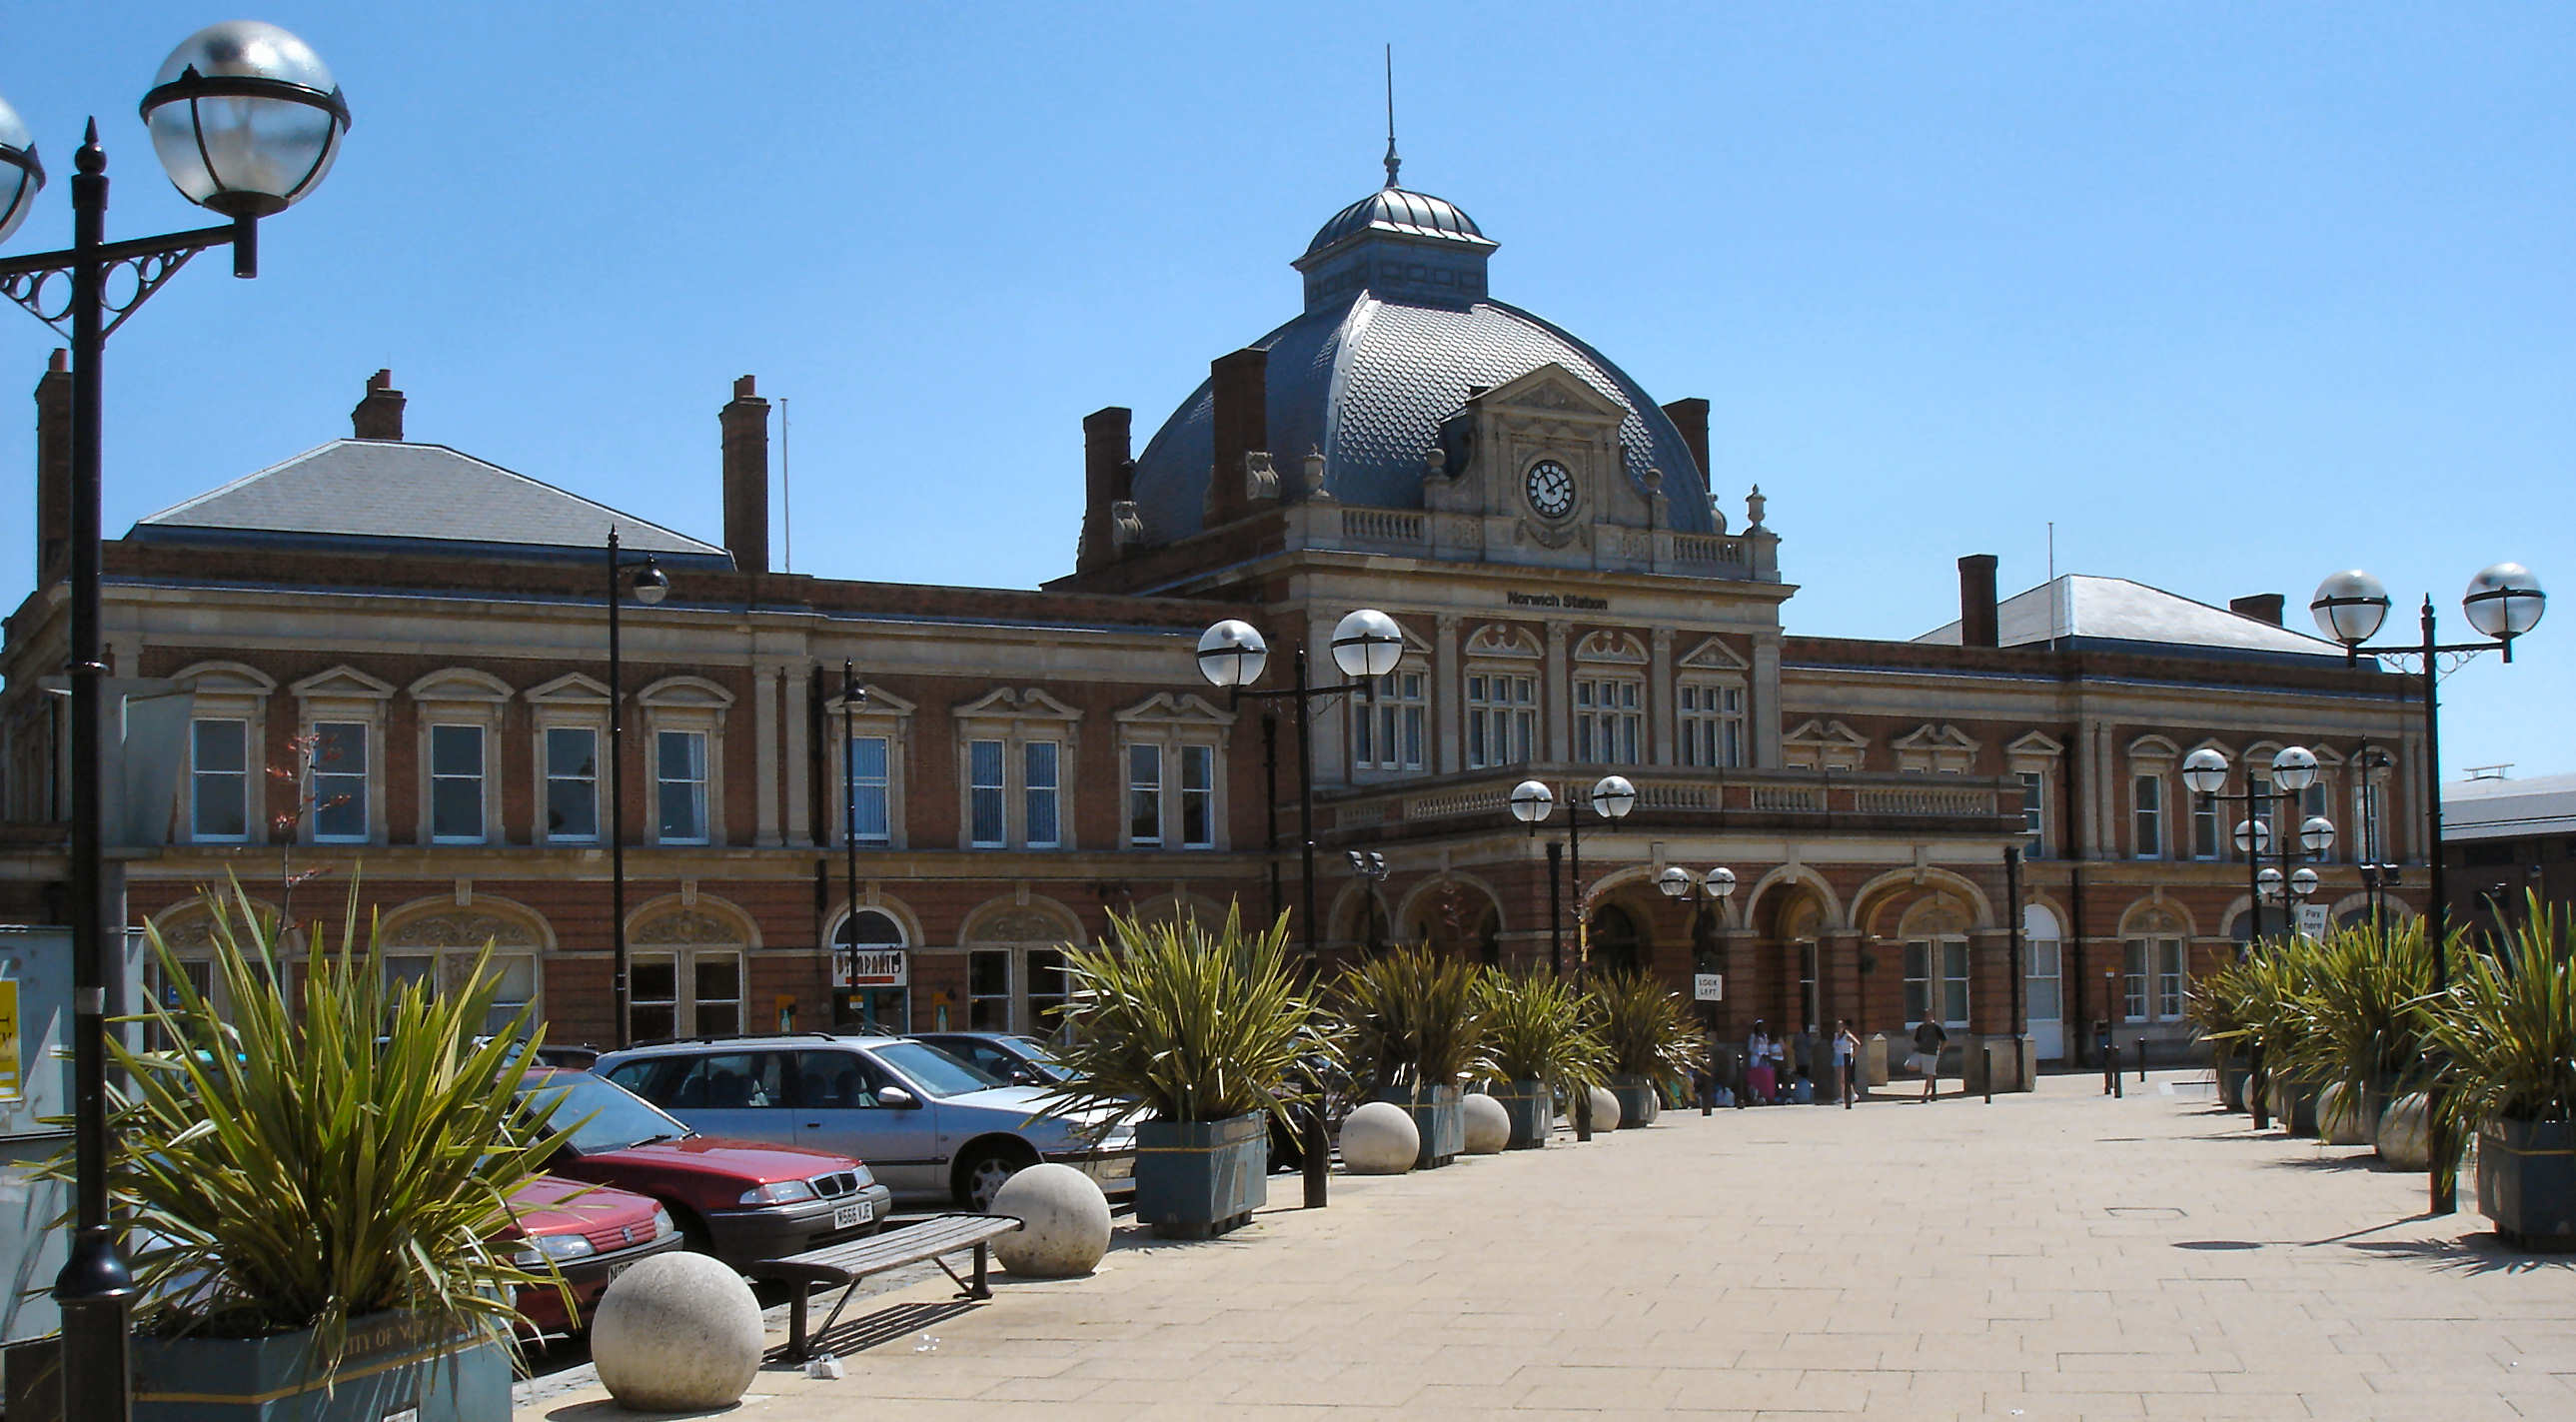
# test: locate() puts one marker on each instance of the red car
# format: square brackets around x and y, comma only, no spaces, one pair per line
[736,1200]
[592,1233]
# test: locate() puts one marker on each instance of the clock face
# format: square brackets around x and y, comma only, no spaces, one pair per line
[1551,489]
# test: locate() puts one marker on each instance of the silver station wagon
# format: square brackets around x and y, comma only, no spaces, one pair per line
[932,1128]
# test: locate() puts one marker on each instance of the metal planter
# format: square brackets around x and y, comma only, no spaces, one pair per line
[1199,1179]
[2527,1182]
[1438,1119]
[1532,1107]
[1638,1104]
[397,1366]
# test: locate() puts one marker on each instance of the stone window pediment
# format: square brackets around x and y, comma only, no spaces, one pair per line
[685,693]
[342,683]
[461,684]
[1821,744]
[2153,747]
[570,689]
[1170,709]
[1496,639]
[1714,655]
[1622,648]
[1010,704]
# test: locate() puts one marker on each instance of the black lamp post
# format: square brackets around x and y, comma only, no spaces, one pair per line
[1367,644]
[650,585]
[1372,868]
[1612,798]
[1705,891]
[2378,873]
[2294,769]
[246,120]
[2502,602]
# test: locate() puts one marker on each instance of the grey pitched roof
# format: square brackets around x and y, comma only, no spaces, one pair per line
[377,491]
[2509,809]
[2083,608]
[1369,383]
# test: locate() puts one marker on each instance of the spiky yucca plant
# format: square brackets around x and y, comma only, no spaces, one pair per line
[1536,1030]
[1646,1028]
[308,1156]
[1192,1026]
[2360,1009]
[2217,1005]
[1411,1019]
[2508,1031]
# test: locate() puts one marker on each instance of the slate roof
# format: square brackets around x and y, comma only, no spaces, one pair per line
[2082,608]
[1399,210]
[1369,383]
[363,492]
[2509,809]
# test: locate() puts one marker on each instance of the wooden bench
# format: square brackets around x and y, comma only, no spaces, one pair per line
[847,1264]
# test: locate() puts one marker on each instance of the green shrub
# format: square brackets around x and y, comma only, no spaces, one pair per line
[1411,1017]
[1646,1028]
[1536,1030]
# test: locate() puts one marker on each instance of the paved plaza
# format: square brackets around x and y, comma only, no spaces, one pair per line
[2049,1256]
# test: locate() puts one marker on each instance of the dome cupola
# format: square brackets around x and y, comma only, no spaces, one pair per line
[1400,244]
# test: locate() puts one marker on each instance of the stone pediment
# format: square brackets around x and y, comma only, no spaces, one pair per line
[344,683]
[1557,391]
[1165,708]
[1713,655]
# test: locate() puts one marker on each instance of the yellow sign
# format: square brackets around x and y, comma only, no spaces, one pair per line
[10,1085]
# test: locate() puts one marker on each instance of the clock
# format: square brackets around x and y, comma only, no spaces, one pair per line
[1551,489]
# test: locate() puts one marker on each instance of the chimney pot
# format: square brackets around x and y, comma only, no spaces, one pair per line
[1241,425]
[2262,607]
[1979,619]
[1691,418]
[745,424]
[1107,472]
[54,471]
[379,414]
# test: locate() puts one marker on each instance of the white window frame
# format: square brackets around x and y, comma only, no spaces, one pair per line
[988,775]
[568,703]
[548,777]
[344,695]
[1609,718]
[224,691]
[697,705]
[2155,977]
[432,774]
[1198,762]
[1391,721]
[2146,814]
[658,790]
[686,1004]
[198,775]
[1502,705]
[1711,722]
[1019,718]
[330,749]
[1929,961]
[883,716]
[1177,728]
[1142,802]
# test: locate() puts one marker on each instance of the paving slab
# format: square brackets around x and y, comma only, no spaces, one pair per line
[2052,1255]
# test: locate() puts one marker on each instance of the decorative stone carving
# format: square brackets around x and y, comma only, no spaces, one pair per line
[1021,925]
[460,929]
[686,926]
[1260,476]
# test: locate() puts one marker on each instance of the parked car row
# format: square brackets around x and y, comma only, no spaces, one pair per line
[750,1148]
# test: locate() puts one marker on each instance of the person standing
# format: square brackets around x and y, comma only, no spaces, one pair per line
[1929,1039]
[1847,1059]
[1757,1065]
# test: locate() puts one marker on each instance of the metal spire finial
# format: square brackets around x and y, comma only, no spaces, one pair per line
[1392,162]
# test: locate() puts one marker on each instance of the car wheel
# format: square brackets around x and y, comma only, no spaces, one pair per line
[981,1171]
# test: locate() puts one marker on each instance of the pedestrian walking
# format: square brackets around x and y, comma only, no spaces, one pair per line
[1757,1065]
[1847,1059]
[1929,1038]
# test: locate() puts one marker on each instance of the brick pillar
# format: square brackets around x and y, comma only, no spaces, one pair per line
[54,471]
[745,422]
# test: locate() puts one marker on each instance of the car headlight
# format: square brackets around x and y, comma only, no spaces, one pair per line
[783,1192]
[557,1247]
[663,1224]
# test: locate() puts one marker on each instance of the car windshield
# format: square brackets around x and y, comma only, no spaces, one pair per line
[602,1115]
[934,1070]
[1038,1055]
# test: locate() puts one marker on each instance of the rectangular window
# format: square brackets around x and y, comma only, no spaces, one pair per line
[1198,797]
[1502,719]
[572,783]
[338,782]
[653,996]
[2034,808]
[715,980]
[2153,985]
[2046,960]
[684,994]
[1607,722]
[1712,726]
[680,764]
[2147,803]
[1145,795]
[1039,794]
[456,784]
[988,990]
[866,786]
[1387,726]
[2204,828]
[219,781]
[1954,981]
[1918,981]
[984,795]
[1047,989]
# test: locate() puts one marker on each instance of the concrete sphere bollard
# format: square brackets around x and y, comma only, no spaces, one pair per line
[2339,1119]
[1379,1139]
[1489,1126]
[1605,1110]
[1064,1223]
[676,1333]
[2403,1141]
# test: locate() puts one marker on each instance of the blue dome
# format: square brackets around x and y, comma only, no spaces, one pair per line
[1396,210]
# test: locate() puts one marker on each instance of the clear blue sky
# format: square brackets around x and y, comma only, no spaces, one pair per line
[2237,295]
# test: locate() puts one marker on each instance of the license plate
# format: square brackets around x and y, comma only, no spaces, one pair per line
[616,1269]
[853,1216]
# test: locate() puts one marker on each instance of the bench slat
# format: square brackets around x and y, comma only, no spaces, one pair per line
[908,1245]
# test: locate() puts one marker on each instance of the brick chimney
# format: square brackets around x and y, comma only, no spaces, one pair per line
[2262,607]
[745,419]
[1979,623]
[1241,425]
[54,471]
[1691,417]
[1108,472]
[379,414]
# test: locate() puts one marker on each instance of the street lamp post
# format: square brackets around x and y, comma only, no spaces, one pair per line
[1372,868]
[1531,801]
[2379,874]
[1367,644]
[1705,892]
[2502,602]
[245,120]
[650,585]
[2294,769]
